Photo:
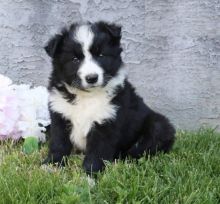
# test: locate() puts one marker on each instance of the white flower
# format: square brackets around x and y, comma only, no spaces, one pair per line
[34,110]
[22,109]
[4,81]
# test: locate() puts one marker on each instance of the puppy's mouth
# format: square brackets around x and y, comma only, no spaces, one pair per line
[91,87]
[77,84]
[88,88]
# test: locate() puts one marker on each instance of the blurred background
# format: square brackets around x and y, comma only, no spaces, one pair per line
[171,49]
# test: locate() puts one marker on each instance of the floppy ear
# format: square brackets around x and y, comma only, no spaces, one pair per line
[113,29]
[53,45]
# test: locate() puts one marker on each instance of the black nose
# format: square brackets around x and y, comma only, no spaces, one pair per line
[92,78]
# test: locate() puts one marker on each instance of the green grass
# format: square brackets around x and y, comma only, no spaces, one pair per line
[190,173]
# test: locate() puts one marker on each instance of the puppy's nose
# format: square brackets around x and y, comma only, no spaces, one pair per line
[92,78]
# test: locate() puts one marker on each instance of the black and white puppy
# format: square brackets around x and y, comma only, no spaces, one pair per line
[93,107]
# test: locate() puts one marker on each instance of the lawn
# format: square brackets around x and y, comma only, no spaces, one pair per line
[190,173]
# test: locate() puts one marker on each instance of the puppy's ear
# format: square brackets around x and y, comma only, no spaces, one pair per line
[111,28]
[53,45]
[114,30]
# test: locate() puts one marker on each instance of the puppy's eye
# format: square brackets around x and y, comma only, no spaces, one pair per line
[101,55]
[75,59]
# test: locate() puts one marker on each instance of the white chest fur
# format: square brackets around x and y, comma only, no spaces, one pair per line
[86,109]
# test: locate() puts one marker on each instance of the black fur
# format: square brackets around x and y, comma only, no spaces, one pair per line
[135,130]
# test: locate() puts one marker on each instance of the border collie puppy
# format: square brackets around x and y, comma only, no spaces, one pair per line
[92,105]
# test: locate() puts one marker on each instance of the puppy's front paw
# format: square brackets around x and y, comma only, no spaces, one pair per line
[92,165]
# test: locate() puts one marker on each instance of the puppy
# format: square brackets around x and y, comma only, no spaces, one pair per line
[93,107]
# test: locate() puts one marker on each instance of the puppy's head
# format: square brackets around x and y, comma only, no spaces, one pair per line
[86,55]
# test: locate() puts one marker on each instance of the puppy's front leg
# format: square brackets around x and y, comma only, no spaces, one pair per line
[101,145]
[59,144]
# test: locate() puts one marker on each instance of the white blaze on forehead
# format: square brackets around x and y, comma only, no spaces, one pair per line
[85,36]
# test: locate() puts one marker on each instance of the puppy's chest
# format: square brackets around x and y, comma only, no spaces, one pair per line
[83,112]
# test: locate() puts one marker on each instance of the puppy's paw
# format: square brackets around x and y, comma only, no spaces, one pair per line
[92,165]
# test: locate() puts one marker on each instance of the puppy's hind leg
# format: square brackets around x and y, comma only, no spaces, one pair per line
[157,134]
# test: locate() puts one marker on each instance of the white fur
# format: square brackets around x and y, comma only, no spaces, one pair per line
[116,81]
[88,107]
[85,37]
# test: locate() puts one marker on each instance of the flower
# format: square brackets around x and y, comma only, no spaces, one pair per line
[9,113]
[23,110]
[4,81]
